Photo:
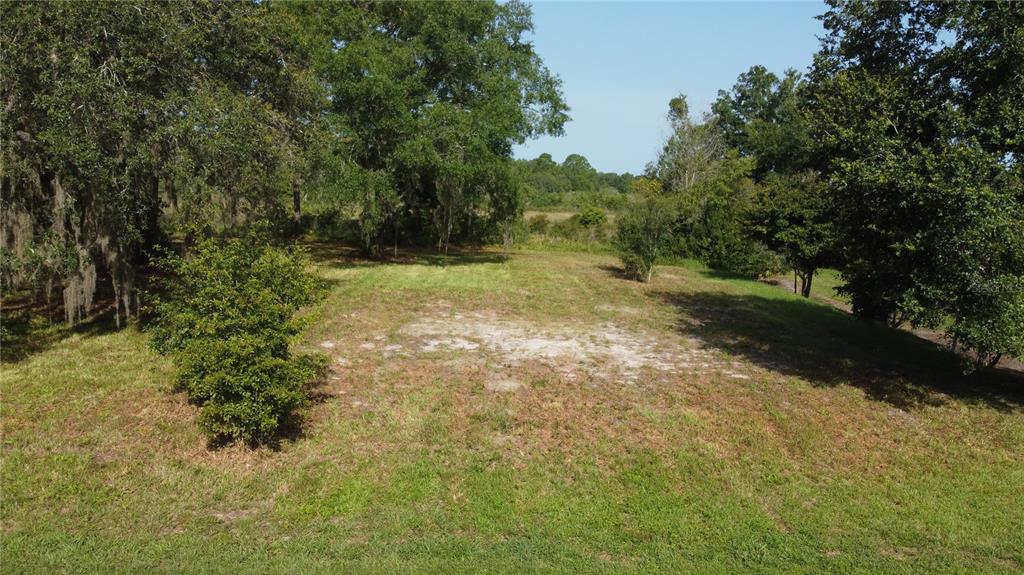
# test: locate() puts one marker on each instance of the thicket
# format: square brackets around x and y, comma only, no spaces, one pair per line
[916,111]
[227,319]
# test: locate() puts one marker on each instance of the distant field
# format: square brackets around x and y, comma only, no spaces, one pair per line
[560,214]
[531,413]
[556,216]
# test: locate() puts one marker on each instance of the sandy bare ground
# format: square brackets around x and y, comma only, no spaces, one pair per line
[601,351]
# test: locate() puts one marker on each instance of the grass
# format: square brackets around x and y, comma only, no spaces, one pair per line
[851,448]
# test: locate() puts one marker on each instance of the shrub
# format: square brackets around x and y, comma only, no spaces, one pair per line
[592,217]
[989,319]
[568,229]
[538,224]
[643,232]
[226,320]
[739,255]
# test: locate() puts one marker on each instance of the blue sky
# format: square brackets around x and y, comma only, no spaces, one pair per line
[621,62]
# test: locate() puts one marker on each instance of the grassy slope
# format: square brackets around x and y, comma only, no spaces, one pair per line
[852,450]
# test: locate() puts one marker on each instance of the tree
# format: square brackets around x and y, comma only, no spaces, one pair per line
[581,175]
[916,107]
[792,216]
[711,190]
[433,94]
[644,231]
[691,154]
[763,117]
[112,110]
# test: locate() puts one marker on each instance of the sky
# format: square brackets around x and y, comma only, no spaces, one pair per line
[621,62]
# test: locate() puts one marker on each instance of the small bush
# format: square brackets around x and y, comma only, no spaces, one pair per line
[568,229]
[539,224]
[227,321]
[643,232]
[593,217]
[989,320]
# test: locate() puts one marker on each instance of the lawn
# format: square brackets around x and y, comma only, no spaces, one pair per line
[528,413]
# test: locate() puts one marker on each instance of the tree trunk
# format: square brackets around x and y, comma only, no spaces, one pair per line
[151,234]
[805,283]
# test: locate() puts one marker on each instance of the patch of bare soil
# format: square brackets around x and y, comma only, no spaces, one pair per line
[605,351]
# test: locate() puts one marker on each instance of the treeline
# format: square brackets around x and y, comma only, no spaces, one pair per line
[123,123]
[572,184]
[898,158]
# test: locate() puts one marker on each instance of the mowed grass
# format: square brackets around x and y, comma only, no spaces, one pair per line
[851,448]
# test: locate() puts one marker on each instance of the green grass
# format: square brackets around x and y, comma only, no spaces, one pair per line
[851,449]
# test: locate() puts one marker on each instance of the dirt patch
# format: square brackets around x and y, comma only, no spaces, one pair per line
[502,385]
[618,309]
[604,350]
[233,515]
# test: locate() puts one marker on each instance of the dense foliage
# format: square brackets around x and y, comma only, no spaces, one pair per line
[430,97]
[792,216]
[709,189]
[114,112]
[572,184]
[124,121]
[919,108]
[227,319]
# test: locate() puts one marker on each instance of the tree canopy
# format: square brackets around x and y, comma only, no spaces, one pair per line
[917,108]
[122,122]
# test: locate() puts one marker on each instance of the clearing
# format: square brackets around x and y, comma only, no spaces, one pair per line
[531,412]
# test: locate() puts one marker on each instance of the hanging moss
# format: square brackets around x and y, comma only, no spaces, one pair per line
[80,292]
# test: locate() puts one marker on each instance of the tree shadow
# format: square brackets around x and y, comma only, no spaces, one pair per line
[345,257]
[617,272]
[34,329]
[828,347]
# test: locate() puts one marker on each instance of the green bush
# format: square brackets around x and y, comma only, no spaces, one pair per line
[592,217]
[643,232]
[226,319]
[989,319]
[539,224]
[737,254]
[568,229]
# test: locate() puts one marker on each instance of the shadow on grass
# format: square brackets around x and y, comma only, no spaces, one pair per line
[828,347]
[31,330]
[341,256]
[617,272]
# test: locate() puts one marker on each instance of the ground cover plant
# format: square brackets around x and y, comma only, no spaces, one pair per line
[529,412]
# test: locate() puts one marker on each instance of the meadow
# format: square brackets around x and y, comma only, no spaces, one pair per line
[526,412]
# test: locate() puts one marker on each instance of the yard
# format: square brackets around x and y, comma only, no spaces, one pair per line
[532,412]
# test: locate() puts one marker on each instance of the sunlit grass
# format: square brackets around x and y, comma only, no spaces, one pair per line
[852,449]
